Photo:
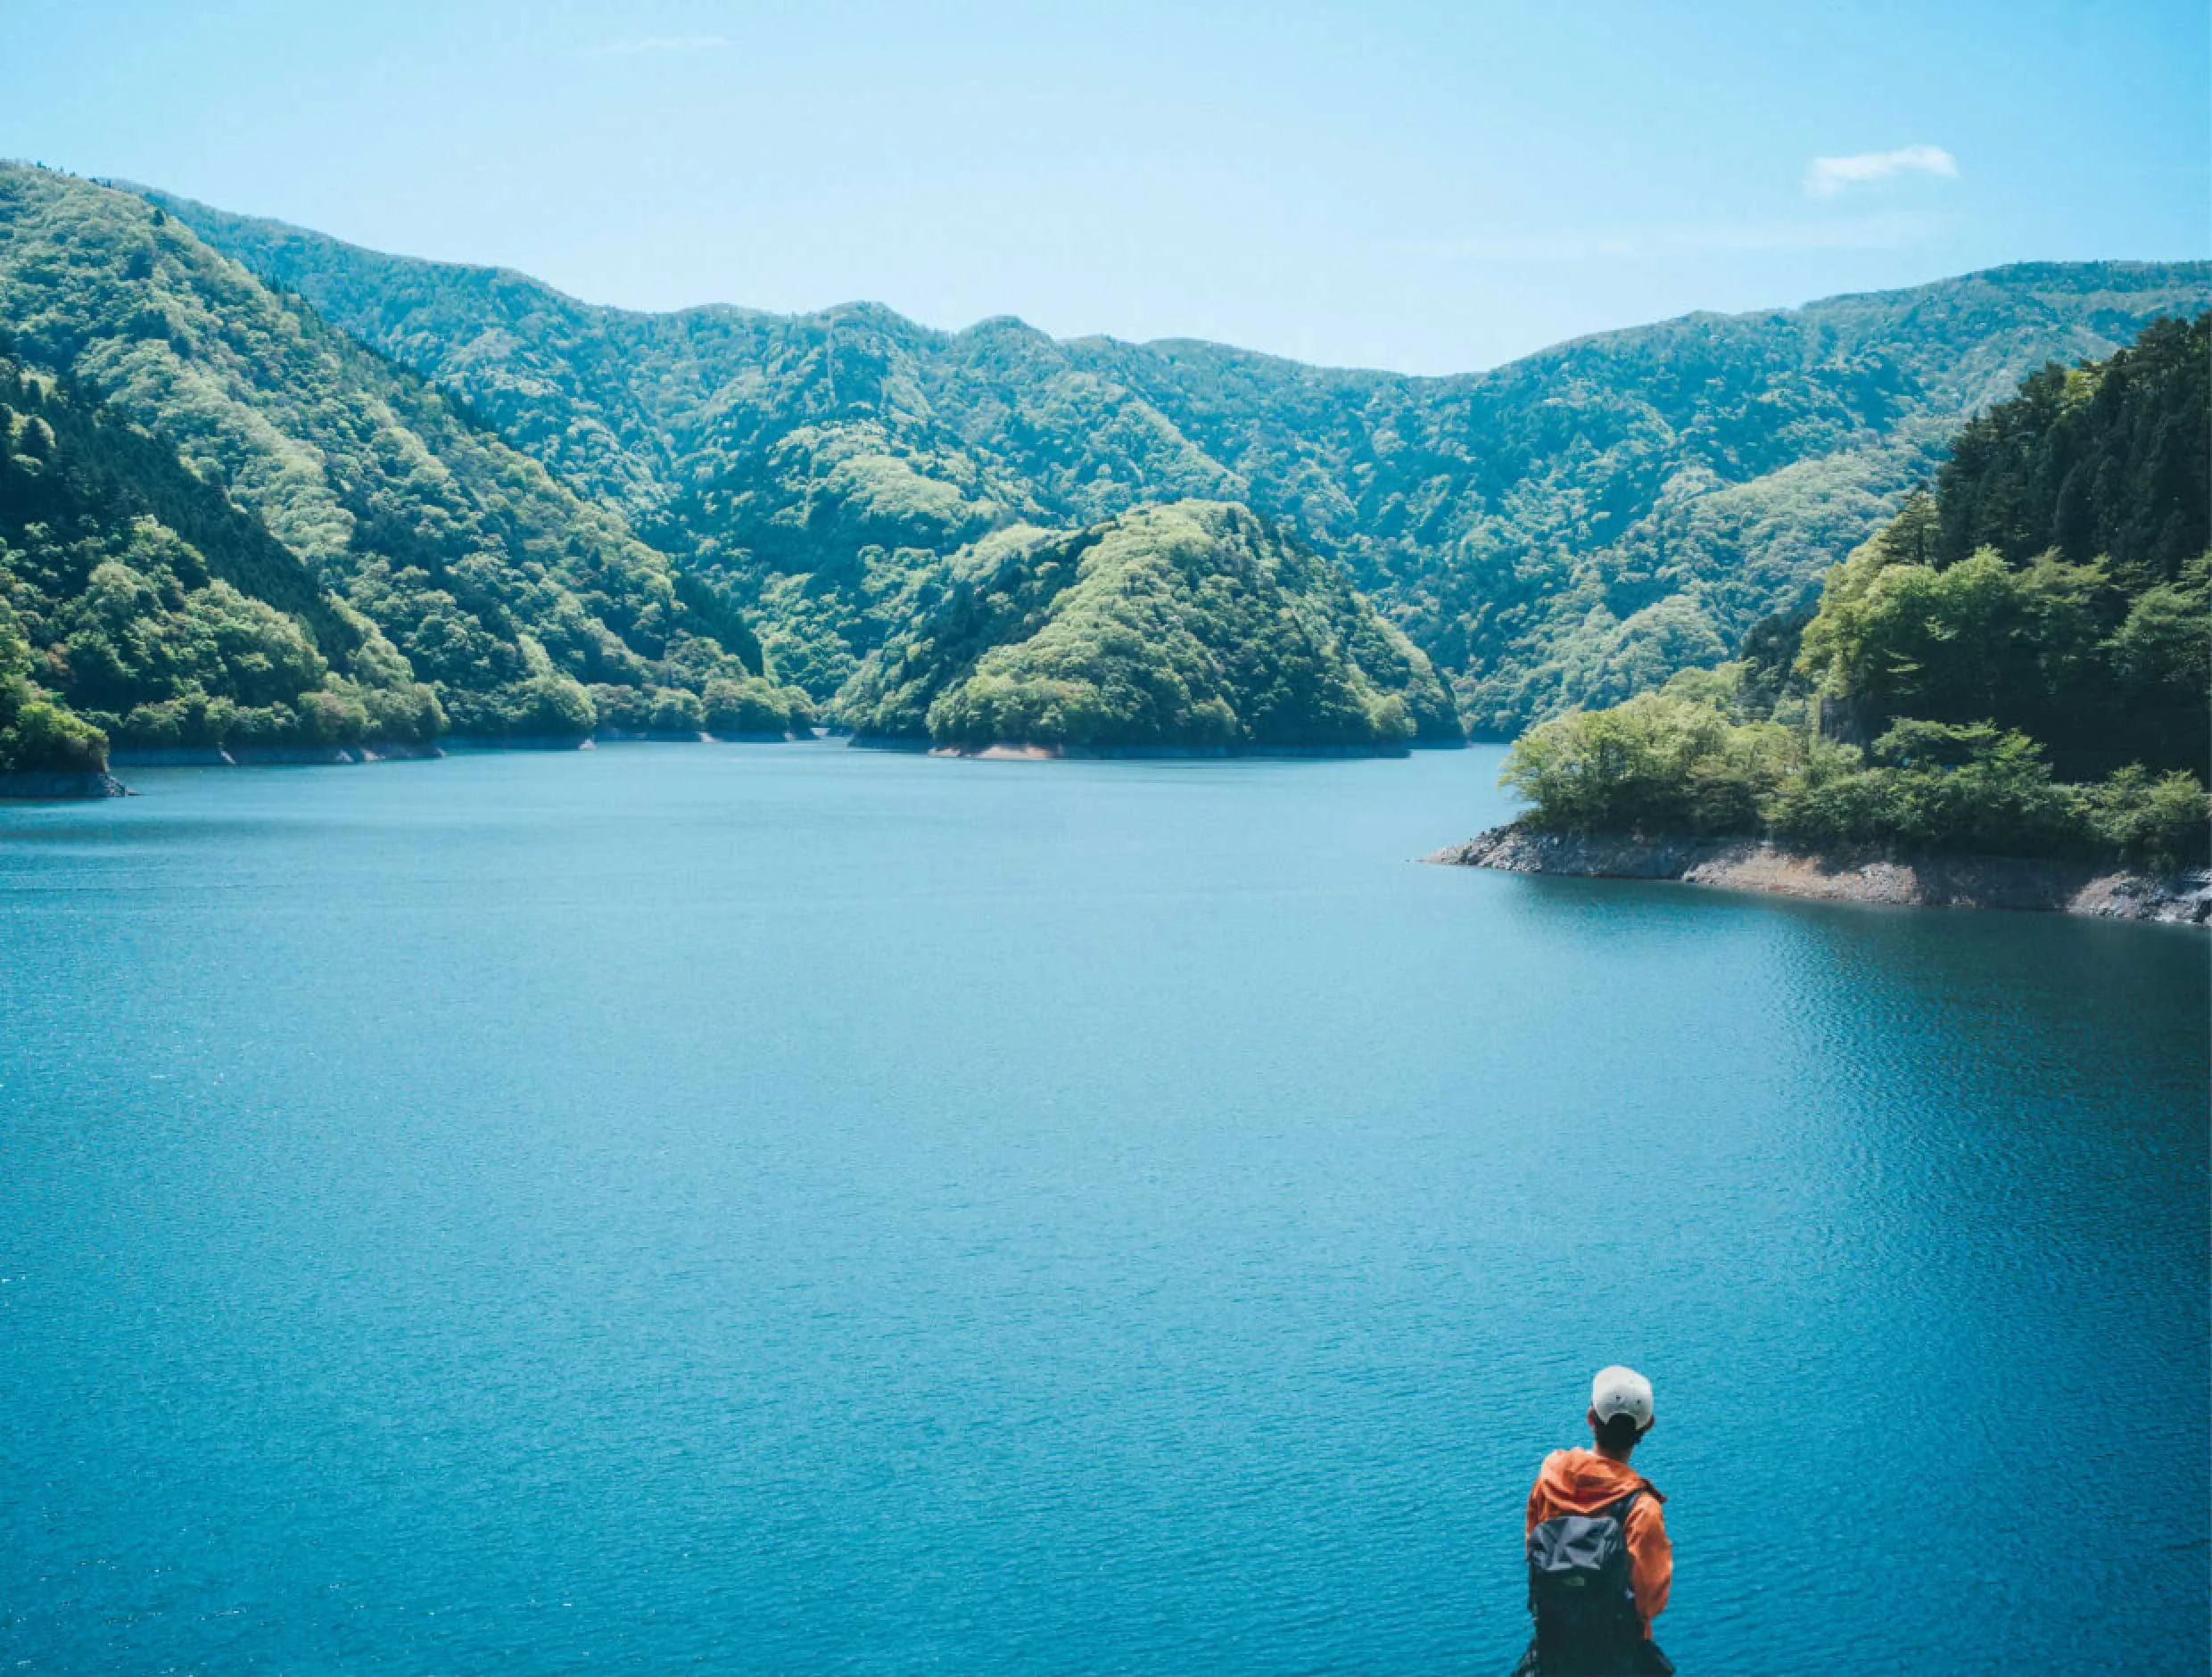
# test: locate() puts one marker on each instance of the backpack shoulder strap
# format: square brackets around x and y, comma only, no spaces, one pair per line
[1620,1511]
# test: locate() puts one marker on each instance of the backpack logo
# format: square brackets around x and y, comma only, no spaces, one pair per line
[1581,1591]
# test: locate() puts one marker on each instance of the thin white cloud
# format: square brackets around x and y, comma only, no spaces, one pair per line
[1885,231]
[658,44]
[1825,177]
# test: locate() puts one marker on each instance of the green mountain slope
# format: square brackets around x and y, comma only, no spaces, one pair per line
[161,613]
[1190,625]
[2055,581]
[413,538]
[1570,528]
[2019,663]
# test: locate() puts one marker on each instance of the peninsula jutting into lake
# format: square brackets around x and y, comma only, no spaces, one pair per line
[697,980]
[2017,665]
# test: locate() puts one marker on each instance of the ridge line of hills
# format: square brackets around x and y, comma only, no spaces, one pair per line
[1567,528]
[232,227]
[533,516]
[277,228]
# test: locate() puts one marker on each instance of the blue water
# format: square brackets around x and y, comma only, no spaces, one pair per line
[799,1210]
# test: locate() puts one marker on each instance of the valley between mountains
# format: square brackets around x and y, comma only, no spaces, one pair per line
[259,488]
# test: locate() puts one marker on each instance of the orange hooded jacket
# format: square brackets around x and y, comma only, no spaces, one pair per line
[1583,1482]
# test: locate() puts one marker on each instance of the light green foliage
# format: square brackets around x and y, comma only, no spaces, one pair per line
[401,540]
[1568,529]
[1671,762]
[1948,682]
[757,706]
[2153,821]
[153,638]
[1977,639]
[1675,763]
[2161,654]
[999,591]
[35,732]
[2060,652]
[1935,787]
[544,706]
[1193,625]
[746,707]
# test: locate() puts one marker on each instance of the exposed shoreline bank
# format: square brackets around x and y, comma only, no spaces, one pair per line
[262,756]
[1757,864]
[1011,753]
[53,785]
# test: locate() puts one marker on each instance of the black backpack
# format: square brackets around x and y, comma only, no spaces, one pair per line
[1581,1593]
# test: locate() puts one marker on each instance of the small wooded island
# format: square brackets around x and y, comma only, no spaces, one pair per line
[2001,701]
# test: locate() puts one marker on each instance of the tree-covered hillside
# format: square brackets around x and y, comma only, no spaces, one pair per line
[2019,663]
[1568,529]
[363,526]
[160,613]
[1191,625]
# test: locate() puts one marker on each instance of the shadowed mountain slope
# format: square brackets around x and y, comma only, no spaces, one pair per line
[356,509]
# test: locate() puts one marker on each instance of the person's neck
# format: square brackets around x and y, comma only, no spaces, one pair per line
[1621,1455]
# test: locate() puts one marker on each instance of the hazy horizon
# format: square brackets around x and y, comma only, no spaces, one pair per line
[1438,192]
[158,190]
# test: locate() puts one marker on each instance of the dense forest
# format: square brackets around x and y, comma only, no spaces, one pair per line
[1194,625]
[225,521]
[139,598]
[317,495]
[1569,529]
[2018,662]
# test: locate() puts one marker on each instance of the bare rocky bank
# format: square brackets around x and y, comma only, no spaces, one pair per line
[55,784]
[1755,864]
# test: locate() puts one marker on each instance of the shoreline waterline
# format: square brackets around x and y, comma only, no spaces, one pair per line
[1922,882]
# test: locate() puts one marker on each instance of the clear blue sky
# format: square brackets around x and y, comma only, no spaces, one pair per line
[1430,188]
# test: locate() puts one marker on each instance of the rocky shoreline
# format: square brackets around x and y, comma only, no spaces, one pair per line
[1757,864]
[59,783]
[253,756]
[1011,753]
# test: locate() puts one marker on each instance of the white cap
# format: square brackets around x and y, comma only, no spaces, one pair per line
[1619,1390]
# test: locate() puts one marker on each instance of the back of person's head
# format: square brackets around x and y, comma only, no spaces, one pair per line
[1619,1433]
[1620,1408]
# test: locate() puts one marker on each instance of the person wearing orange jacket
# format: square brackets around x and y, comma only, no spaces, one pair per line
[1600,1567]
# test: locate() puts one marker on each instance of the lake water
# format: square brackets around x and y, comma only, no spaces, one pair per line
[801,1209]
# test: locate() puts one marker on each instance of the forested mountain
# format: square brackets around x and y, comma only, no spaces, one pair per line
[267,532]
[1570,528]
[2018,662]
[473,502]
[160,613]
[1193,624]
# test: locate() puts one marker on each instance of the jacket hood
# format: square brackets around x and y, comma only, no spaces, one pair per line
[1582,1481]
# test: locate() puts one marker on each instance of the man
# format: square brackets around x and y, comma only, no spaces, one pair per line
[1600,1562]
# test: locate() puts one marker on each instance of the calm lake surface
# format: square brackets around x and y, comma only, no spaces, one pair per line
[757,1208]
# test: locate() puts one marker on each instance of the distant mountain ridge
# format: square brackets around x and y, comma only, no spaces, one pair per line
[227,526]
[1567,528]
